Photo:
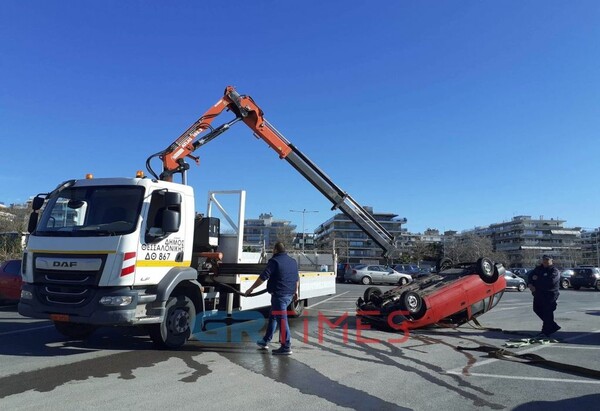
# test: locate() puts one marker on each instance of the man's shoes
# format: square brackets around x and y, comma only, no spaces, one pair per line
[282,351]
[262,344]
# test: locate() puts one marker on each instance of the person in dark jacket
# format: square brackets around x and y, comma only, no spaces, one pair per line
[543,282]
[283,280]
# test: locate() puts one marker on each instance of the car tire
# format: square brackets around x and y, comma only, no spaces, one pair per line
[521,287]
[177,325]
[366,280]
[372,293]
[75,331]
[403,281]
[443,264]
[412,303]
[486,270]
[564,284]
[597,287]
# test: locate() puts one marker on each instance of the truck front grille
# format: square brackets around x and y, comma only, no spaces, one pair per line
[71,288]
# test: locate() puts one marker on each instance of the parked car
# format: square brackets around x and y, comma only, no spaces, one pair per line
[514,282]
[406,268]
[457,294]
[521,272]
[585,276]
[10,281]
[379,274]
[565,278]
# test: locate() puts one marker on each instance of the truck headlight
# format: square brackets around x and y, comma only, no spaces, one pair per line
[116,301]
[26,295]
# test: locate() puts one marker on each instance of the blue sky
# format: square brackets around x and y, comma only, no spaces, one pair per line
[453,114]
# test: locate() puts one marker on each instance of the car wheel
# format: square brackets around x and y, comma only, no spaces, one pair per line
[365,280]
[521,287]
[413,304]
[176,327]
[371,294]
[597,286]
[486,270]
[564,283]
[443,264]
[403,281]
[74,330]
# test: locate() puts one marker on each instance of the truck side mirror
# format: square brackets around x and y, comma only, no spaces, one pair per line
[37,203]
[33,221]
[170,221]
[172,199]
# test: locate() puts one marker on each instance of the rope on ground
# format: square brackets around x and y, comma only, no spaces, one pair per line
[534,359]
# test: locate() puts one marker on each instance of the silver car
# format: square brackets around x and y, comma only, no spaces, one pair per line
[372,273]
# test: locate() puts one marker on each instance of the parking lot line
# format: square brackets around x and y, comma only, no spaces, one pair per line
[330,298]
[25,330]
[514,377]
[458,371]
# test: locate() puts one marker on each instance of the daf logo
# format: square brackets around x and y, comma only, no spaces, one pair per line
[65,264]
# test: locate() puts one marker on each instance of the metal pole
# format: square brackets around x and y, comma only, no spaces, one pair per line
[303,211]
[597,253]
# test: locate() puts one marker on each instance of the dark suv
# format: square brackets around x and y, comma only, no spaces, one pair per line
[586,277]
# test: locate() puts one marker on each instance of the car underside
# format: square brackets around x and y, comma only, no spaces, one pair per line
[456,294]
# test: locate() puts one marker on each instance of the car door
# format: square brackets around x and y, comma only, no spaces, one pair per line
[390,276]
[375,273]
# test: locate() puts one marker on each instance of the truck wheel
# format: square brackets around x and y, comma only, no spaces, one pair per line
[297,307]
[486,270]
[365,280]
[372,293]
[75,330]
[413,303]
[176,327]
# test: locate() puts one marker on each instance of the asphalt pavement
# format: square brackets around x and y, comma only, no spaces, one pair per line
[338,363]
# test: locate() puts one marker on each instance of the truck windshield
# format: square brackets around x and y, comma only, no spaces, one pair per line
[91,211]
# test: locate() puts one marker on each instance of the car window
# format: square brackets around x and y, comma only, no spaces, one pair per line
[359,267]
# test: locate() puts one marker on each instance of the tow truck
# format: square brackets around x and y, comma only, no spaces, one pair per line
[133,251]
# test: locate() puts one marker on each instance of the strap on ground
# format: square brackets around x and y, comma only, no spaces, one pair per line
[477,325]
[534,359]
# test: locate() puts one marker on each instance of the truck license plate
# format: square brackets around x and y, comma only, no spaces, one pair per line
[60,317]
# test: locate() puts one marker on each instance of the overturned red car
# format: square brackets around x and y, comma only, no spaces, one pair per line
[455,295]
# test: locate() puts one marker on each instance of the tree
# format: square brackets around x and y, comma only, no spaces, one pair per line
[13,223]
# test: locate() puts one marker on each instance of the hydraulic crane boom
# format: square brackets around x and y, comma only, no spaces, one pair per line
[247,111]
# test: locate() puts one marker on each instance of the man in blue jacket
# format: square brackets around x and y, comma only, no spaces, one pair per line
[543,282]
[283,280]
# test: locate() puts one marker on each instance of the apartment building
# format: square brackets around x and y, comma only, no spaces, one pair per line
[351,243]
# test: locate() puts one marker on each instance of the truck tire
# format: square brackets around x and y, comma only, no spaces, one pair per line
[486,270]
[75,331]
[297,307]
[177,325]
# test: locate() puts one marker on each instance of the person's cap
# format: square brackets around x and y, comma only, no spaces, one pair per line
[546,257]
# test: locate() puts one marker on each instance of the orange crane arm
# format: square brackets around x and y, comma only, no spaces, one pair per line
[245,109]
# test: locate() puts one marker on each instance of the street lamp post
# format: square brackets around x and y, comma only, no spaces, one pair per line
[303,211]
